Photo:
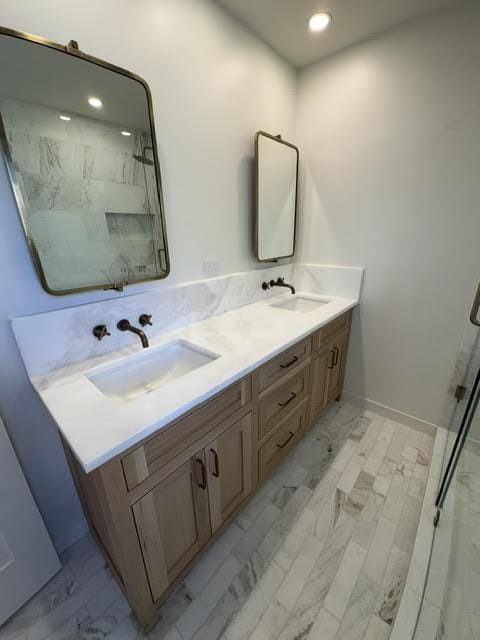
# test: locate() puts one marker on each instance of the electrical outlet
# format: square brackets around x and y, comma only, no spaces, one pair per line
[211,268]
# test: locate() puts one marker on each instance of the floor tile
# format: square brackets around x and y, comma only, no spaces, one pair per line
[202,606]
[291,587]
[324,627]
[344,582]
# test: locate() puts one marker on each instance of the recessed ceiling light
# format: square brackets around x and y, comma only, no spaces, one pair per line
[96,103]
[126,133]
[319,21]
[66,118]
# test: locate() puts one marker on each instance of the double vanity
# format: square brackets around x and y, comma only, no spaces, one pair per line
[167,443]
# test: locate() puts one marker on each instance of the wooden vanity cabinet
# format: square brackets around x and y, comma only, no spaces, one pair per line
[156,506]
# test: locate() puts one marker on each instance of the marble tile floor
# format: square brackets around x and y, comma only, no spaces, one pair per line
[321,552]
[460,613]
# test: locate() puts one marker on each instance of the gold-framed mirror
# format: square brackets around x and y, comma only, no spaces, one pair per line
[78,138]
[276,197]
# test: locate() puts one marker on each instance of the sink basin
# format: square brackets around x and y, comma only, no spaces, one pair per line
[136,375]
[300,304]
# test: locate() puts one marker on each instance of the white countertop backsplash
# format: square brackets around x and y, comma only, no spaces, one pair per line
[230,316]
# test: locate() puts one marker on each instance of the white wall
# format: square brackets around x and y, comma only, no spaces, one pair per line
[390,136]
[213,86]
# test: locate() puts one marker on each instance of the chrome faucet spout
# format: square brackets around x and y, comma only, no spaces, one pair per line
[124,325]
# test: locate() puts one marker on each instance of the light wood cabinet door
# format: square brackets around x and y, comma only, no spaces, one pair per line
[336,373]
[327,374]
[229,463]
[320,375]
[173,523]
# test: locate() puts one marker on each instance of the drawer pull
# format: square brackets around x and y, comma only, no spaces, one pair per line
[289,364]
[203,483]
[332,363]
[293,395]
[215,473]
[292,435]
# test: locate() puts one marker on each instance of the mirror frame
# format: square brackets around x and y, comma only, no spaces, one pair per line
[278,138]
[72,50]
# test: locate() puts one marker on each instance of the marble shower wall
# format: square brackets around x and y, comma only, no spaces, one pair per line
[90,203]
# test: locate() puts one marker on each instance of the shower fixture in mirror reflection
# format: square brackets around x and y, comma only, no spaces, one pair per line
[276,195]
[78,138]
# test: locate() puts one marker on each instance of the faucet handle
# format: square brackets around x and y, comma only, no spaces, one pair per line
[100,331]
[265,286]
[145,319]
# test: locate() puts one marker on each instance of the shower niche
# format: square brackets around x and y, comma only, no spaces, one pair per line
[78,138]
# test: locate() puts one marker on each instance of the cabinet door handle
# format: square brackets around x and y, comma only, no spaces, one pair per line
[289,364]
[293,395]
[280,446]
[335,358]
[215,473]
[203,483]
[332,363]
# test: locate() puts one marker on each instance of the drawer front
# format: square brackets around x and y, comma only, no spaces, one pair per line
[285,438]
[155,453]
[281,400]
[339,325]
[284,363]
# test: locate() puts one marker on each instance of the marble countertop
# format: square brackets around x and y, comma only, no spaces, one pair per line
[98,427]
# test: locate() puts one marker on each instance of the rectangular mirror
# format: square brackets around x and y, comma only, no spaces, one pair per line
[276,166]
[79,142]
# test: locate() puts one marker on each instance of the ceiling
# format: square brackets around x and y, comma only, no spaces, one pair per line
[283,24]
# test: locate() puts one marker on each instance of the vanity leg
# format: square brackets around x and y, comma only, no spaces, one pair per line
[339,397]
[147,621]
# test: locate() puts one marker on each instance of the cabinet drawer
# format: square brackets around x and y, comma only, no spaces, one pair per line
[155,453]
[281,441]
[281,399]
[282,364]
[339,325]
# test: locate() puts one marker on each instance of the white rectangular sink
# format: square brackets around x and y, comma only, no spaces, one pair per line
[300,304]
[144,372]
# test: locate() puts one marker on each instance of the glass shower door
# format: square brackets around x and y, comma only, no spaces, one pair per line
[451,600]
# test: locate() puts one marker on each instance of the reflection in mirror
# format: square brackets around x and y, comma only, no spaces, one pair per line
[81,152]
[276,201]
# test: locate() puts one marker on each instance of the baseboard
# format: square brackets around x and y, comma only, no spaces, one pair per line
[473,445]
[74,533]
[392,414]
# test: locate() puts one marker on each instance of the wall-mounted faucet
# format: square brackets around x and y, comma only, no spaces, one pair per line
[279,282]
[124,325]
